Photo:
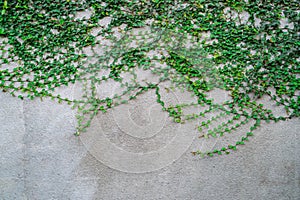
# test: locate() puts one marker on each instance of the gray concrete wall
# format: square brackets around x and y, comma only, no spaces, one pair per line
[42,159]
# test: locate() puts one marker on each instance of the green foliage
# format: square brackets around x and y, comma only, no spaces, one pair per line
[46,41]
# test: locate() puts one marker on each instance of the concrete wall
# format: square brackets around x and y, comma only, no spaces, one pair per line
[42,159]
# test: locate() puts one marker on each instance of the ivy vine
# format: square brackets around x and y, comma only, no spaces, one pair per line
[251,50]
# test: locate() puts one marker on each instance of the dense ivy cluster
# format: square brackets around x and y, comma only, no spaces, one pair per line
[252,51]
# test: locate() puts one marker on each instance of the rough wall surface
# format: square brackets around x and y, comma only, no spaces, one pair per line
[42,159]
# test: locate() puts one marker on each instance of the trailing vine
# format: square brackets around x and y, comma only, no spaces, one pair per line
[250,49]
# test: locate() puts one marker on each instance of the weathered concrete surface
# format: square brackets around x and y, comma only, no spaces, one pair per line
[42,159]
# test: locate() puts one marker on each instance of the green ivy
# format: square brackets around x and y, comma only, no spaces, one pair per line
[46,41]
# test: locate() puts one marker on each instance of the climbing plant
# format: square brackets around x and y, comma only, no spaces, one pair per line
[250,49]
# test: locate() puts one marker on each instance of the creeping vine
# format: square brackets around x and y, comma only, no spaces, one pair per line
[250,49]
